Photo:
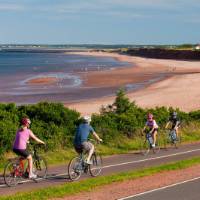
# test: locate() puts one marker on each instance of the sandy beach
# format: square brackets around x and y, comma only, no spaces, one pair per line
[179,86]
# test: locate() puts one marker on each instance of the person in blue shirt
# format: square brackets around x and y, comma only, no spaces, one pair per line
[81,138]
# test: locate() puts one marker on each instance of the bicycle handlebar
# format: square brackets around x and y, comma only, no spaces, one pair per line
[36,145]
[94,141]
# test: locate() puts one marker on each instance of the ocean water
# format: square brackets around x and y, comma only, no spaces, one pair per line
[18,68]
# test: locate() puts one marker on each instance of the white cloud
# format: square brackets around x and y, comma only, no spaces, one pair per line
[93,8]
[11,7]
[132,9]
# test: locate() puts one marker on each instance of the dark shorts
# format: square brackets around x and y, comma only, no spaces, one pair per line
[21,152]
[85,146]
[155,129]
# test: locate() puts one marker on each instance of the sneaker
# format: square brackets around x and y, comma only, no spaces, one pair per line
[33,176]
[153,145]
[89,162]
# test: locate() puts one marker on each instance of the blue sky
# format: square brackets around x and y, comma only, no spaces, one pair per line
[100,21]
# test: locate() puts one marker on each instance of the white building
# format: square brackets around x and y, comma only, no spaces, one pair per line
[197,47]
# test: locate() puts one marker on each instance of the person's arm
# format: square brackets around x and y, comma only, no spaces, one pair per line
[151,131]
[167,124]
[177,124]
[144,128]
[96,136]
[36,138]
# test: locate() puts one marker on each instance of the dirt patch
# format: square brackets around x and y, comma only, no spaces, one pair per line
[42,81]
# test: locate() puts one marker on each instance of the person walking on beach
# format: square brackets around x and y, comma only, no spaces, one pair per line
[151,123]
[20,144]
[81,142]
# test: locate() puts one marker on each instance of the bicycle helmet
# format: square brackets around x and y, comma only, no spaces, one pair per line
[25,121]
[87,119]
[174,115]
[149,116]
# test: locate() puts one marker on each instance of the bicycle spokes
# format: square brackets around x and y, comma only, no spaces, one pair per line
[12,173]
[75,168]
[40,167]
[96,166]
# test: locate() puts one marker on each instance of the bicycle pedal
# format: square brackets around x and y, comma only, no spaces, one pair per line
[85,170]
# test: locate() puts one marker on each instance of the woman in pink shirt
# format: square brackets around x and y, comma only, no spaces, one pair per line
[151,123]
[20,143]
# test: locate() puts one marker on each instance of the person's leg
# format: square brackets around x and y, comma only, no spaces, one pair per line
[25,154]
[154,138]
[30,165]
[91,151]
[89,147]
[176,129]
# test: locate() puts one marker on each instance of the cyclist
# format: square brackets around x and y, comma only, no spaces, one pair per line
[152,125]
[174,122]
[20,144]
[81,138]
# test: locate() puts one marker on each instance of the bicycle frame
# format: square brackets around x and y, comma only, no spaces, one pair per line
[17,169]
[149,138]
[77,166]
[173,135]
[146,145]
[23,163]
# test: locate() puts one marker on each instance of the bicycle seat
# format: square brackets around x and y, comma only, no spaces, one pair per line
[21,158]
[16,159]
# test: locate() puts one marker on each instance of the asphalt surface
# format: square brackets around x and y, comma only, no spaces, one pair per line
[111,165]
[189,190]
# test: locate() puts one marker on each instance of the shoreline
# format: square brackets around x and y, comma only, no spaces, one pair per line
[174,89]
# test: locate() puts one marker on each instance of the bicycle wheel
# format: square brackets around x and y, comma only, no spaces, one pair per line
[75,168]
[174,140]
[177,142]
[40,167]
[96,166]
[156,149]
[12,174]
[144,147]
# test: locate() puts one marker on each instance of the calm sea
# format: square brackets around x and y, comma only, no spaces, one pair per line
[18,68]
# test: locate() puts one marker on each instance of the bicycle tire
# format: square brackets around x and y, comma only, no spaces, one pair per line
[177,142]
[11,178]
[172,142]
[40,167]
[156,149]
[96,167]
[75,168]
[144,147]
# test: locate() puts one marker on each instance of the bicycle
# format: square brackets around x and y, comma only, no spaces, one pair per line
[16,170]
[77,166]
[172,139]
[146,146]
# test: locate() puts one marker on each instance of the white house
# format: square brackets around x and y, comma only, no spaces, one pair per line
[197,47]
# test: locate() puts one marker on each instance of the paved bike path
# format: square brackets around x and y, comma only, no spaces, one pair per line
[187,190]
[111,164]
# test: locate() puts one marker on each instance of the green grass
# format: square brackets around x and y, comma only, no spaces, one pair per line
[93,183]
